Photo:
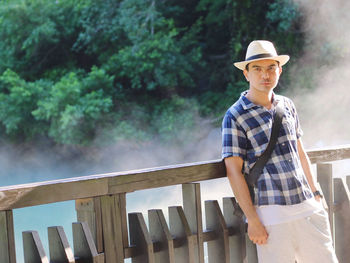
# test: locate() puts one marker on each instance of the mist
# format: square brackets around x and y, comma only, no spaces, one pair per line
[323,112]
[323,109]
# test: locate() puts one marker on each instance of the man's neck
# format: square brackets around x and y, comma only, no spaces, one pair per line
[260,98]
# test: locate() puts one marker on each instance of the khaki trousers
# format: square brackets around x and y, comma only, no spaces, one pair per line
[305,240]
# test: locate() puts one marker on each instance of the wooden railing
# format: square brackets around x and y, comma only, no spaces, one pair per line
[105,233]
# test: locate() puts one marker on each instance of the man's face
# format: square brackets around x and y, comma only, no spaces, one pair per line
[263,75]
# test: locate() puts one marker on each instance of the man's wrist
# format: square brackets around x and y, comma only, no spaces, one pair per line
[317,193]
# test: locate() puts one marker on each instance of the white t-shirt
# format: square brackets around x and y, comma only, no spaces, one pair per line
[277,214]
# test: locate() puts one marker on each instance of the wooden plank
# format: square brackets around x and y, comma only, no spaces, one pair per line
[251,253]
[233,218]
[325,179]
[218,249]
[84,247]
[124,223]
[33,248]
[180,230]
[89,211]
[329,154]
[160,233]
[140,238]
[49,192]
[124,182]
[85,209]
[166,176]
[341,220]
[7,239]
[112,224]
[60,250]
[193,210]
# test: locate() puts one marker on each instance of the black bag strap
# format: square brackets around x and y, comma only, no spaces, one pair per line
[255,172]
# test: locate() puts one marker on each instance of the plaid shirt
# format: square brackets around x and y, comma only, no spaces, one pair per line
[246,130]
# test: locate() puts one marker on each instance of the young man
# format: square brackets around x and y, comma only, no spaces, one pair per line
[286,218]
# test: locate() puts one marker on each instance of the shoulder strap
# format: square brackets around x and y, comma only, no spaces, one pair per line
[255,172]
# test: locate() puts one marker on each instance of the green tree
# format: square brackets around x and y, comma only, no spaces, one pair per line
[75,107]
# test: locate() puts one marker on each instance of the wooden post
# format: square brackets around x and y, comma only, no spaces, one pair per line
[233,218]
[33,248]
[140,238]
[114,227]
[160,233]
[180,229]
[341,220]
[348,181]
[84,247]
[325,179]
[193,210]
[218,249]
[89,211]
[60,251]
[7,238]
[251,253]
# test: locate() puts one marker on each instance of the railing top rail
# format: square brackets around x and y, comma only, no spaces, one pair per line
[18,196]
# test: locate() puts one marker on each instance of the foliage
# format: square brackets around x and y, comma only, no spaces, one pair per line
[75,106]
[83,72]
[18,99]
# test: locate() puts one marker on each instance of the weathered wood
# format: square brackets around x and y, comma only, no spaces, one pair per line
[124,182]
[7,239]
[140,238]
[232,215]
[33,248]
[50,192]
[113,222]
[180,230]
[218,249]
[325,179]
[251,253]
[329,154]
[192,206]
[341,220]
[160,233]
[60,250]
[89,211]
[84,247]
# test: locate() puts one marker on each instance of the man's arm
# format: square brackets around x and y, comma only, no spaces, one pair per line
[306,165]
[256,231]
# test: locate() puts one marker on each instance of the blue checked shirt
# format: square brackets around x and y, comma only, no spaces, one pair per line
[246,130]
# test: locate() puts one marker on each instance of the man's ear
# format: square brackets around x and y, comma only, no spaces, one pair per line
[280,69]
[245,73]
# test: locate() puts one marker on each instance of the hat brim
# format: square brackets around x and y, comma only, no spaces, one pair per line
[282,59]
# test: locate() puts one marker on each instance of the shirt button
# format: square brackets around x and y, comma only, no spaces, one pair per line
[283,144]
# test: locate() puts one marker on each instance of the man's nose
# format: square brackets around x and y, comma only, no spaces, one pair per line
[265,74]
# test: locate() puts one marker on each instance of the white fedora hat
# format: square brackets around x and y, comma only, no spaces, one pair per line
[259,50]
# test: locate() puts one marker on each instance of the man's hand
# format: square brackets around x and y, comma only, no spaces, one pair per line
[257,232]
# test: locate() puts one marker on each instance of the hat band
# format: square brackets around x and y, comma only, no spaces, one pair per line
[265,55]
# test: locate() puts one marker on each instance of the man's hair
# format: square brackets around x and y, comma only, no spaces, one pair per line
[247,66]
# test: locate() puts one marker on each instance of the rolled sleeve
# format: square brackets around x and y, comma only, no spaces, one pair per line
[234,140]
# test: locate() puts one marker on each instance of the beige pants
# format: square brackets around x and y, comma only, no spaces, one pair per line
[305,240]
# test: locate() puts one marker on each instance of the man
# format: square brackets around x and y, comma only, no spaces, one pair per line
[286,218]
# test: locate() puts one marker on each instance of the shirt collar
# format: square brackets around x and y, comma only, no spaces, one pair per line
[247,104]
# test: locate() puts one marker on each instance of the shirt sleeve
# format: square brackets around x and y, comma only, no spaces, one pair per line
[234,139]
[298,130]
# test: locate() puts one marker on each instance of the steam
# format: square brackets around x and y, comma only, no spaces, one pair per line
[324,110]
[324,113]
